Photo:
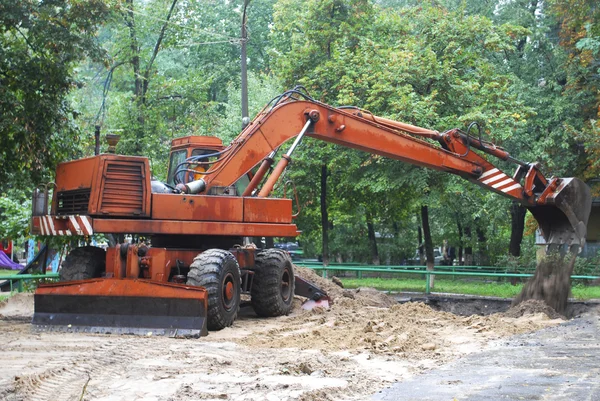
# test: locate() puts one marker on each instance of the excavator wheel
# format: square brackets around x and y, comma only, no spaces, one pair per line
[273,283]
[218,272]
[83,263]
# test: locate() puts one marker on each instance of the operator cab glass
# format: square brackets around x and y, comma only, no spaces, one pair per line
[177,158]
[187,163]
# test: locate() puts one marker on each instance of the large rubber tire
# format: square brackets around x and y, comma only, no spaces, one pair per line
[273,283]
[83,263]
[218,271]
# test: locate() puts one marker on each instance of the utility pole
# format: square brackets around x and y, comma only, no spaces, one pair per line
[244,38]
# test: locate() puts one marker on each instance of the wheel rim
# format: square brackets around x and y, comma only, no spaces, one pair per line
[286,285]
[228,292]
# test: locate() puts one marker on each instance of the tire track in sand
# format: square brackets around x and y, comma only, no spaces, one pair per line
[68,376]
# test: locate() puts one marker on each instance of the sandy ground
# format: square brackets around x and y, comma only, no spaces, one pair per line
[362,344]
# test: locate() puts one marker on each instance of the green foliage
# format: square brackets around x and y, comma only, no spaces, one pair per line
[424,65]
[587,266]
[15,212]
[40,42]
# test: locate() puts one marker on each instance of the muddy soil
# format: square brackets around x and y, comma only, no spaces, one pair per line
[551,282]
[363,343]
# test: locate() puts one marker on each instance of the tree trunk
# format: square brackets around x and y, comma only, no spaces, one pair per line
[468,247]
[135,50]
[138,79]
[460,242]
[482,253]
[324,214]
[517,226]
[420,239]
[372,239]
[428,242]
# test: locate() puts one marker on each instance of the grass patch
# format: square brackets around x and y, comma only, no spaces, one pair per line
[483,288]
[8,272]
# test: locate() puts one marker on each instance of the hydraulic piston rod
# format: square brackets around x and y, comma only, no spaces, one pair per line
[283,162]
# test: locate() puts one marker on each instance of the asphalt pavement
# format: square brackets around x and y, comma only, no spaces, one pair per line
[558,363]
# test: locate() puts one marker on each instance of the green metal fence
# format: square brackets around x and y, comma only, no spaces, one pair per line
[460,271]
[21,278]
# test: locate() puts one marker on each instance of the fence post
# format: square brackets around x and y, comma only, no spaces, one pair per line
[427,286]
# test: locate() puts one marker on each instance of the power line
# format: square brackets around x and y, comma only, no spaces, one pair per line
[232,41]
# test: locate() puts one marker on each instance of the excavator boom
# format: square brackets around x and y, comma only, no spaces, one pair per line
[560,205]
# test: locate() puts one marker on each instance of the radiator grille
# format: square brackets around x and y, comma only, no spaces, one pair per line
[73,202]
[123,192]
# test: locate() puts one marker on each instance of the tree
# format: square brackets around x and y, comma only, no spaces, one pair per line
[423,65]
[40,44]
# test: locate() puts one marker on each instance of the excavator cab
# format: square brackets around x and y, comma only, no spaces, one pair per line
[185,150]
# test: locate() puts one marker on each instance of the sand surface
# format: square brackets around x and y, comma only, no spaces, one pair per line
[362,344]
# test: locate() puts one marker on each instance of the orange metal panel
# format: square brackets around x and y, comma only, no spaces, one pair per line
[265,210]
[124,288]
[76,174]
[196,141]
[115,266]
[128,192]
[131,226]
[162,260]
[197,207]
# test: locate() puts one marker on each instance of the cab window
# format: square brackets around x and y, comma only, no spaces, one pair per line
[177,158]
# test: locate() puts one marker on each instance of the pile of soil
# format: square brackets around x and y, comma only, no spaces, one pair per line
[17,307]
[551,282]
[333,290]
[363,296]
[532,307]
[369,321]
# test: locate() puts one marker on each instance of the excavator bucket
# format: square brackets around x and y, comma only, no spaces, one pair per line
[564,217]
[122,306]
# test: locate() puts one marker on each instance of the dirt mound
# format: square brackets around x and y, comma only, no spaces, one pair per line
[333,290]
[409,330]
[363,297]
[18,306]
[551,282]
[532,307]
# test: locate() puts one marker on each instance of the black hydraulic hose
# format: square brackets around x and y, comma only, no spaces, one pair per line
[468,137]
[190,160]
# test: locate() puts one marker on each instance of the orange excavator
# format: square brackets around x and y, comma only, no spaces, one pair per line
[196,258]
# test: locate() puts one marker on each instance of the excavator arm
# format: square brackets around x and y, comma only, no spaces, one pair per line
[561,205]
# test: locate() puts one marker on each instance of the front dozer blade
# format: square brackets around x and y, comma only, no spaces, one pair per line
[564,217]
[121,306]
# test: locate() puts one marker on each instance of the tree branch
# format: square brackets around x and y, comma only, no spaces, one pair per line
[157,48]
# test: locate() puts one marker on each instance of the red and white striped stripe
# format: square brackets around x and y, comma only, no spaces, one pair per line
[81,225]
[498,180]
